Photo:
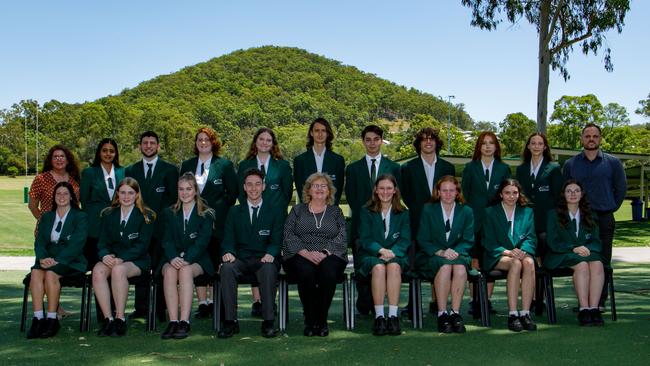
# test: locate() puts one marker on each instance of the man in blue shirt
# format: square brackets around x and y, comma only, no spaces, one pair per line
[603,178]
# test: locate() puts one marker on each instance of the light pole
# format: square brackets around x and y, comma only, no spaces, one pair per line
[449,98]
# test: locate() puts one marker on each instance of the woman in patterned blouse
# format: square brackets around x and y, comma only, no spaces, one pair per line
[315,250]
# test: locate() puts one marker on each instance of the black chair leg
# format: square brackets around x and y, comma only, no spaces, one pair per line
[347,317]
[416,303]
[89,297]
[539,294]
[612,297]
[23,314]
[483,301]
[82,315]
[550,299]
[217,306]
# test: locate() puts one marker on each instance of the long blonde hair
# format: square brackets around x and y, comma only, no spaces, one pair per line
[202,207]
[149,214]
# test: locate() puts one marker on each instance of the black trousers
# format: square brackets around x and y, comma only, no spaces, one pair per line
[141,301]
[606,226]
[266,274]
[316,285]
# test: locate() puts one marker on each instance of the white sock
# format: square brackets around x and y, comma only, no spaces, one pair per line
[203,302]
[392,310]
[524,312]
[442,312]
[581,309]
[186,321]
[209,301]
[515,313]
[452,312]
[51,315]
[38,314]
[379,310]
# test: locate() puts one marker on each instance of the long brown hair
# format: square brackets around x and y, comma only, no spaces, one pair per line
[374,205]
[522,200]
[328,130]
[149,214]
[563,208]
[214,140]
[435,195]
[72,167]
[202,207]
[526,155]
[275,149]
[479,142]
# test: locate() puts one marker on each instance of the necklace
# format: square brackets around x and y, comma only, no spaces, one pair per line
[318,223]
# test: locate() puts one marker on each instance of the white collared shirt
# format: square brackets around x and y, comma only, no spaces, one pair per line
[577,218]
[319,159]
[386,217]
[450,218]
[124,217]
[510,218]
[430,171]
[186,217]
[250,209]
[266,165]
[54,235]
[153,161]
[369,163]
[111,175]
[201,180]
[489,169]
[534,170]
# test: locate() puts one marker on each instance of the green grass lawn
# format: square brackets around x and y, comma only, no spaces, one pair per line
[625,342]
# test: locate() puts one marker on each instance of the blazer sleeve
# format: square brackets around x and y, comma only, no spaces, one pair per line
[84,187]
[231,183]
[287,182]
[491,238]
[75,245]
[103,244]
[200,245]
[171,183]
[276,236]
[556,181]
[529,242]
[168,237]
[229,238]
[425,239]
[466,242]
[553,237]
[405,189]
[400,248]
[40,244]
[349,195]
[466,182]
[366,240]
[140,247]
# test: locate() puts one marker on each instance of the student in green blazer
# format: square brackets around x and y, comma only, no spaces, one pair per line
[445,239]
[98,182]
[509,241]
[127,227]
[385,236]
[157,179]
[574,242]
[319,158]
[188,230]
[541,179]
[360,178]
[58,248]
[217,184]
[251,247]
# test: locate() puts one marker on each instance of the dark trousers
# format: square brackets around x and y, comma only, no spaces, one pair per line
[606,226]
[316,285]
[141,301]
[266,275]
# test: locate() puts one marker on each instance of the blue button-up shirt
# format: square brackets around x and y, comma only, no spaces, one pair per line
[602,178]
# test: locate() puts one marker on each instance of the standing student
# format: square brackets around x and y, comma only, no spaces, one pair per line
[574,242]
[188,231]
[445,239]
[126,230]
[264,154]
[217,185]
[157,180]
[509,241]
[360,178]
[419,177]
[97,190]
[251,247]
[59,251]
[385,236]
[319,158]
[603,178]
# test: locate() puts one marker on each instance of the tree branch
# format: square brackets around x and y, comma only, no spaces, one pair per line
[556,16]
[565,44]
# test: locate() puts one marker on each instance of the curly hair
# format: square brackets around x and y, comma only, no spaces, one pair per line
[214,140]
[424,133]
[72,167]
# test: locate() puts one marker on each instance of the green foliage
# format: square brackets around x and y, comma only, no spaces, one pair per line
[570,115]
[515,129]
[644,107]
[12,171]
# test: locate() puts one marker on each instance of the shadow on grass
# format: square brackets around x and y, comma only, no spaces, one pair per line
[632,234]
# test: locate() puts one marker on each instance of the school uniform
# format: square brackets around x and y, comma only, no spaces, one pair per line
[477,191]
[188,240]
[433,237]
[543,189]
[499,235]
[129,243]
[278,180]
[417,189]
[562,240]
[305,165]
[249,235]
[67,249]
[393,233]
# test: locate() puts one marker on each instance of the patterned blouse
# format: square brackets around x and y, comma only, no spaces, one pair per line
[315,232]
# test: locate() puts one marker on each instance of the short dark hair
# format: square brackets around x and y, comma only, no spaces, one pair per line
[149,134]
[588,125]
[372,128]
[98,159]
[427,132]
[328,129]
[253,171]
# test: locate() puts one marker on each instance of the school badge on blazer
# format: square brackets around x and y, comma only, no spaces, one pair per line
[396,235]
[543,188]
[588,236]
[496,186]
[275,187]
[264,232]
[333,176]
[133,236]
[217,182]
[160,189]
[194,235]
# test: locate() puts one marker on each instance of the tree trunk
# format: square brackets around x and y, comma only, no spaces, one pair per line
[544,65]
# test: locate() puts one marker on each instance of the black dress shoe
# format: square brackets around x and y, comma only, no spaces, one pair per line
[169,332]
[528,323]
[457,323]
[514,324]
[119,328]
[256,309]
[379,328]
[51,328]
[308,331]
[203,312]
[36,328]
[393,326]
[137,315]
[229,329]
[323,331]
[596,318]
[268,329]
[107,328]
[444,323]
[182,330]
[584,318]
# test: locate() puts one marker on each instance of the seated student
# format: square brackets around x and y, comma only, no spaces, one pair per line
[188,229]
[509,241]
[58,247]
[574,242]
[251,246]
[384,239]
[126,230]
[445,238]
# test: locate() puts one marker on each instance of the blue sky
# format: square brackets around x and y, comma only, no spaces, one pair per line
[76,51]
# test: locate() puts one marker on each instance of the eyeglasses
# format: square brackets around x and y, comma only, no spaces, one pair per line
[573,191]
[58,157]
[319,186]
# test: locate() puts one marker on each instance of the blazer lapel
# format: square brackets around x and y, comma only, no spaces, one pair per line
[503,221]
[420,175]
[456,225]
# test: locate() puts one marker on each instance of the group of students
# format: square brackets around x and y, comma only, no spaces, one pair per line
[123,222]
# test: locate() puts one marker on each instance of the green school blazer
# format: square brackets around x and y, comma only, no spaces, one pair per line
[279,183]
[415,189]
[371,233]
[190,241]
[561,240]
[476,193]
[94,196]
[496,237]
[243,240]
[161,190]
[432,237]
[69,249]
[220,191]
[358,187]
[130,245]
[304,165]
[544,192]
